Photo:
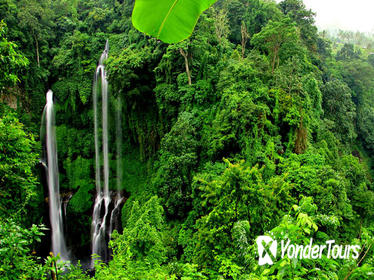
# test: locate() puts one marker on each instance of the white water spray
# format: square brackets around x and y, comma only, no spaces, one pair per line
[99,228]
[118,199]
[48,123]
[104,221]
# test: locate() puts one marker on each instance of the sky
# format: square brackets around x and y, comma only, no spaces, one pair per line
[354,15]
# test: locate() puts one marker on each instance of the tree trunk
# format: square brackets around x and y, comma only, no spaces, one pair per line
[301,139]
[185,55]
[245,37]
[275,57]
[37,50]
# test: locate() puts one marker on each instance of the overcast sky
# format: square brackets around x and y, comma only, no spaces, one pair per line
[343,14]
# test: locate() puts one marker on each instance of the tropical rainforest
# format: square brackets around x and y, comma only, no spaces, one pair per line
[256,124]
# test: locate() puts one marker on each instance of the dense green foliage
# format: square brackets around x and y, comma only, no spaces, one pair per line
[18,188]
[256,124]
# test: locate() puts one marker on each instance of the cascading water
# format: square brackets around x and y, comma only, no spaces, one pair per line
[102,194]
[51,166]
[118,199]
[106,210]
[100,230]
[65,201]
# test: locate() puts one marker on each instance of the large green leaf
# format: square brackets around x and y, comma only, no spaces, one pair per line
[168,20]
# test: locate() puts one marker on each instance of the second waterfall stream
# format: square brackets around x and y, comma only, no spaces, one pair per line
[104,208]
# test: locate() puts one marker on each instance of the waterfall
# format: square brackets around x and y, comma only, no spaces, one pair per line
[118,199]
[51,166]
[65,201]
[106,209]
[102,201]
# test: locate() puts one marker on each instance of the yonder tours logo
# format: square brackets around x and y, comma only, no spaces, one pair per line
[267,250]
[268,247]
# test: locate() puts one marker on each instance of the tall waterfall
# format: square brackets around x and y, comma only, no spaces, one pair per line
[51,166]
[118,198]
[104,213]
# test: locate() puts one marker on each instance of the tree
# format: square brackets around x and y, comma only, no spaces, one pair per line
[178,157]
[186,63]
[221,25]
[371,59]
[140,251]
[36,18]
[299,225]
[16,245]
[339,107]
[258,13]
[275,36]
[357,75]
[12,61]
[296,10]
[235,205]
[18,184]
[366,122]
[347,52]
